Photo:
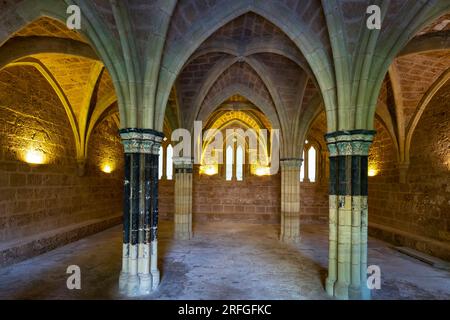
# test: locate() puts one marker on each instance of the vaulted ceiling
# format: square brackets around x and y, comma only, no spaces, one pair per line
[279,56]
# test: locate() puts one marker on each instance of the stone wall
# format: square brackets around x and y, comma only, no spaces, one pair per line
[314,201]
[37,199]
[255,199]
[384,187]
[166,199]
[415,214]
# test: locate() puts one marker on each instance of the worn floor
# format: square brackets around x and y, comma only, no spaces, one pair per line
[223,261]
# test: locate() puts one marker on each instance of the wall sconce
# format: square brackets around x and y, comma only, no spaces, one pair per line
[372,172]
[209,170]
[34,156]
[107,168]
[262,171]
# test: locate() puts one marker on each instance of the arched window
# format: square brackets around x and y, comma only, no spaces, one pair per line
[229,164]
[302,168]
[312,164]
[239,163]
[169,162]
[160,163]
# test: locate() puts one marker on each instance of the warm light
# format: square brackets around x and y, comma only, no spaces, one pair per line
[34,157]
[262,171]
[372,172]
[209,170]
[107,168]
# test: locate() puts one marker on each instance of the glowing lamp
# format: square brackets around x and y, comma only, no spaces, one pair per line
[209,170]
[372,172]
[33,156]
[262,171]
[107,168]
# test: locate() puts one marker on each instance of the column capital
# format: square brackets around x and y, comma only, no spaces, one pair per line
[141,140]
[353,142]
[183,163]
[291,162]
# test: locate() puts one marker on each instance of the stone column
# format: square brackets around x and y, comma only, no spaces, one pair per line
[347,257]
[183,198]
[140,213]
[290,200]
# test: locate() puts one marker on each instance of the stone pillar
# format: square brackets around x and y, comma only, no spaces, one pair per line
[140,212]
[348,221]
[183,198]
[290,200]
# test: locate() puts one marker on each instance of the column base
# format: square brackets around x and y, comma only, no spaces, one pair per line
[341,291]
[133,285]
[155,279]
[183,235]
[290,239]
[145,283]
[329,286]
[154,265]
[138,285]
[354,293]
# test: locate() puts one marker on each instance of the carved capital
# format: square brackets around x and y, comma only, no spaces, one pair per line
[183,163]
[345,143]
[291,163]
[141,140]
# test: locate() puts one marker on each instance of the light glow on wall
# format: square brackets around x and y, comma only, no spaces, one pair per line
[262,171]
[34,156]
[372,172]
[107,168]
[209,170]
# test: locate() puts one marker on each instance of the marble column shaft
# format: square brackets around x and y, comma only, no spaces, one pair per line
[348,219]
[139,273]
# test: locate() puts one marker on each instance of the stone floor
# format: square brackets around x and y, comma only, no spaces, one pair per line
[223,261]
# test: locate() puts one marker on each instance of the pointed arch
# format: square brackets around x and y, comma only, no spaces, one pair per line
[18,48]
[439,83]
[251,95]
[416,18]
[59,92]
[309,44]
[210,79]
[93,29]
[435,41]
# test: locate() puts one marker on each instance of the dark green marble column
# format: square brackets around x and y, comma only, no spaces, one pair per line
[347,261]
[140,212]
